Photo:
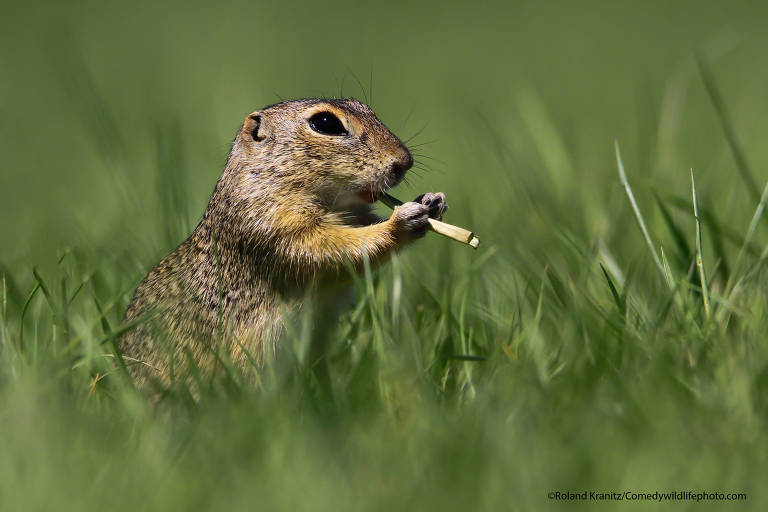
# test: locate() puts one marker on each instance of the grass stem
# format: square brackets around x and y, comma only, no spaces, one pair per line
[699,250]
[638,215]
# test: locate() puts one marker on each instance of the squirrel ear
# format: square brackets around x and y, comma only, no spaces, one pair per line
[252,127]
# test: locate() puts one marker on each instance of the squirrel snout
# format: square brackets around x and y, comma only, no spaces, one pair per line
[402,163]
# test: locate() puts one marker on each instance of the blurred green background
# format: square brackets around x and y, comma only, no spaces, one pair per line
[115,122]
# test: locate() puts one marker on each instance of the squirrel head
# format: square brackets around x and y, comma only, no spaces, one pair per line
[335,149]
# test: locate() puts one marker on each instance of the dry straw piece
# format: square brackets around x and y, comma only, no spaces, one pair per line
[447,230]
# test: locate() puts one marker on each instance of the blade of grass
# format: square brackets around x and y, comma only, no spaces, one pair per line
[748,237]
[699,250]
[619,304]
[751,271]
[721,258]
[667,268]
[79,288]
[107,329]
[636,209]
[24,309]
[730,136]
[684,252]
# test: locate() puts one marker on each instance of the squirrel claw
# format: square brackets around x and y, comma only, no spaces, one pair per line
[435,203]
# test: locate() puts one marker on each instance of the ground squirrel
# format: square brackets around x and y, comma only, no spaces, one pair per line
[291,208]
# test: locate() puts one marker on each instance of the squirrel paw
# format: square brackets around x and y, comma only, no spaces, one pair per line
[435,203]
[411,220]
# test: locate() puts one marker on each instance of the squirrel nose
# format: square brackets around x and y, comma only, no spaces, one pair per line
[402,163]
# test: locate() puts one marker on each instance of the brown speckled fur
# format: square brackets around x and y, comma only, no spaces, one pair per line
[285,214]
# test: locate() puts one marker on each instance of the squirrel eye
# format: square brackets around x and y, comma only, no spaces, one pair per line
[327,124]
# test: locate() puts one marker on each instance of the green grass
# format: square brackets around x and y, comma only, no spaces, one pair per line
[573,351]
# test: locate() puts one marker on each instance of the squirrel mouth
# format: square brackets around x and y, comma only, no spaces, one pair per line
[367,196]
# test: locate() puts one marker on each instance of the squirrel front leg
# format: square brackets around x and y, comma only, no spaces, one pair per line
[329,245]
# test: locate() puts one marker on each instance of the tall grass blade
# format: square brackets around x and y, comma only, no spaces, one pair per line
[708,219]
[20,344]
[684,252]
[699,250]
[616,298]
[636,209]
[730,136]
[667,268]
[748,238]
